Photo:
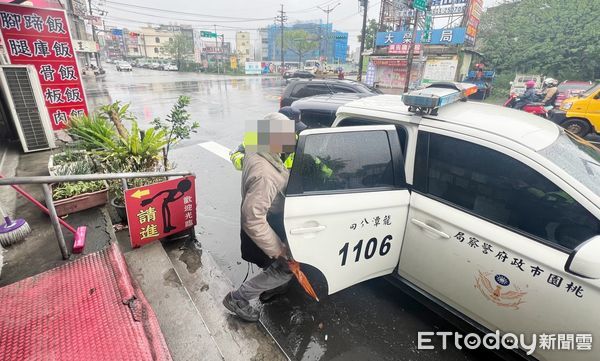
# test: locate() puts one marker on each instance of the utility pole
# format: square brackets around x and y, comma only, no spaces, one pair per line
[94,35]
[282,18]
[217,50]
[327,11]
[411,51]
[363,34]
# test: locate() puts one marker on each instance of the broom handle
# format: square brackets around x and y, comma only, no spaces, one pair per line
[41,206]
[5,216]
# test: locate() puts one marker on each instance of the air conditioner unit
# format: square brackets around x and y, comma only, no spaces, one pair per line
[21,87]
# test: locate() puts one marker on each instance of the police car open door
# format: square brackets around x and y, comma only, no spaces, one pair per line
[346,203]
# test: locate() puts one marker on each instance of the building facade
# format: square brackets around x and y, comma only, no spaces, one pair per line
[333,44]
[243,47]
[261,50]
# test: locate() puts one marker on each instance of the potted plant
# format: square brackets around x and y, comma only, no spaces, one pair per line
[60,163]
[77,196]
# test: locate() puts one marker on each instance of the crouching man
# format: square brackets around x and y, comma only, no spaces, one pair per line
[264,179]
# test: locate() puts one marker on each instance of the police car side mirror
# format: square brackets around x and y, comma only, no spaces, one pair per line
[584,260]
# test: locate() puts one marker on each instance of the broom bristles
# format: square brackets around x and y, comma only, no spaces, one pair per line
[15,236]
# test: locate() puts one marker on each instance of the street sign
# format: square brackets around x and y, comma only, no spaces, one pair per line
[427,29]
[161,209]
[40,37]
[207,34]
[420,5]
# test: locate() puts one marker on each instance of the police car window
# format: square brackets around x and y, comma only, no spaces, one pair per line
[340,161]
[350,122]
[497,187]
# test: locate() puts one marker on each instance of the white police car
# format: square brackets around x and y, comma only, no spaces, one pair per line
[491,212]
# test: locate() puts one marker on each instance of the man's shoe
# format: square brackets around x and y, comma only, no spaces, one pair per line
[277,291]
[241,308]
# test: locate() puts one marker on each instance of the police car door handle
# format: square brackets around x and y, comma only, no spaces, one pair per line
[307,230]
[427,227]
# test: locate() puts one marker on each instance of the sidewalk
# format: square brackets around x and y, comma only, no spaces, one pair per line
[40,252]
[181,283]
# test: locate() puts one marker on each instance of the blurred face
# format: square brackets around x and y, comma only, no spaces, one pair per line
[270,136]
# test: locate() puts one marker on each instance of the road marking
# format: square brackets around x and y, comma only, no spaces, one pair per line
[217,149]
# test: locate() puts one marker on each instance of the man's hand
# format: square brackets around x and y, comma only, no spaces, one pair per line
[284,252]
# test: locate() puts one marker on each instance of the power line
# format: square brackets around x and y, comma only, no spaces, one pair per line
[113,3]
[162,16]
[312,8]
[327,11]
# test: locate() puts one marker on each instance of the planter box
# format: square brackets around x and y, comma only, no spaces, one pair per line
[82,202]
[61,169]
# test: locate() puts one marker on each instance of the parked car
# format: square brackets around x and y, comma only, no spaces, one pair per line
[302,74]
[487,213]
[289,73]
[154,66]
[170,67]
[302,88]
[123,66]
[319,111]
[571,88]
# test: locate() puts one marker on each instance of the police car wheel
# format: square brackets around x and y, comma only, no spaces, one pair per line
[579,127]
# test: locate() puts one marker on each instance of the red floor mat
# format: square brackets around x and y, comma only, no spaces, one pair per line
[88,309]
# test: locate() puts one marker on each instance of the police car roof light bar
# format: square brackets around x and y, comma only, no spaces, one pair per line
[428,100]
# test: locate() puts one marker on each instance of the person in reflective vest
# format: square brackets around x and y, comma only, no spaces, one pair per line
[237,155]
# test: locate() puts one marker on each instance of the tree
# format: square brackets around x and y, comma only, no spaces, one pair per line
[179,48]
[299,42]
[370,34]
[177,126]
[557,38]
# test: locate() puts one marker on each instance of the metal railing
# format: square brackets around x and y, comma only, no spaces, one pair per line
[45,181]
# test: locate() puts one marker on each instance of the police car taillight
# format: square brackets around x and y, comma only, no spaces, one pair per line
[428,100]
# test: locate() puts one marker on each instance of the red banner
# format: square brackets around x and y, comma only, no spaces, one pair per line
[40,37]
[161,209]
[403,49]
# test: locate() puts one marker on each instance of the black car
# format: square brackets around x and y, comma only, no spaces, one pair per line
[319,111]
[305,88]
[303,74]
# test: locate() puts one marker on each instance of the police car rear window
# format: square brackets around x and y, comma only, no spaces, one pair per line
[496,187]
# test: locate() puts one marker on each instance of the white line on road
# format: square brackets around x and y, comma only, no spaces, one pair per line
[216,149]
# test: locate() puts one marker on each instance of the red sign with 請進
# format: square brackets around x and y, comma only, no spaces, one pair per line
[40,37]
[161,209]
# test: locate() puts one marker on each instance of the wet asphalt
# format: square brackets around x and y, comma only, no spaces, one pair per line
[370,321]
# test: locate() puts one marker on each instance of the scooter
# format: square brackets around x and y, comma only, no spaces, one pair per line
[533,108]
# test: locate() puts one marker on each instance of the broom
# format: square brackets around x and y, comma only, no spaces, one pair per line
[12,231]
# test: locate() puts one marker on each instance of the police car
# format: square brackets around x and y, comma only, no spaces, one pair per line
[491,212]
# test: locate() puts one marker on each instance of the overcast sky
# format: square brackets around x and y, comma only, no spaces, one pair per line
[232,15]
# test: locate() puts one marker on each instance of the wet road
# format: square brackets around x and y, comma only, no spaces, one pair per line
[370,321]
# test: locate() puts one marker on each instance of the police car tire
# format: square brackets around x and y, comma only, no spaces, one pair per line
[581,127]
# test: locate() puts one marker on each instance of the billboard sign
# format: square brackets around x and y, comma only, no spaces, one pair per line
[160,209]
[40,37]
[448,7]
[436,37]
[439,70]
[253,68]
[474,14]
